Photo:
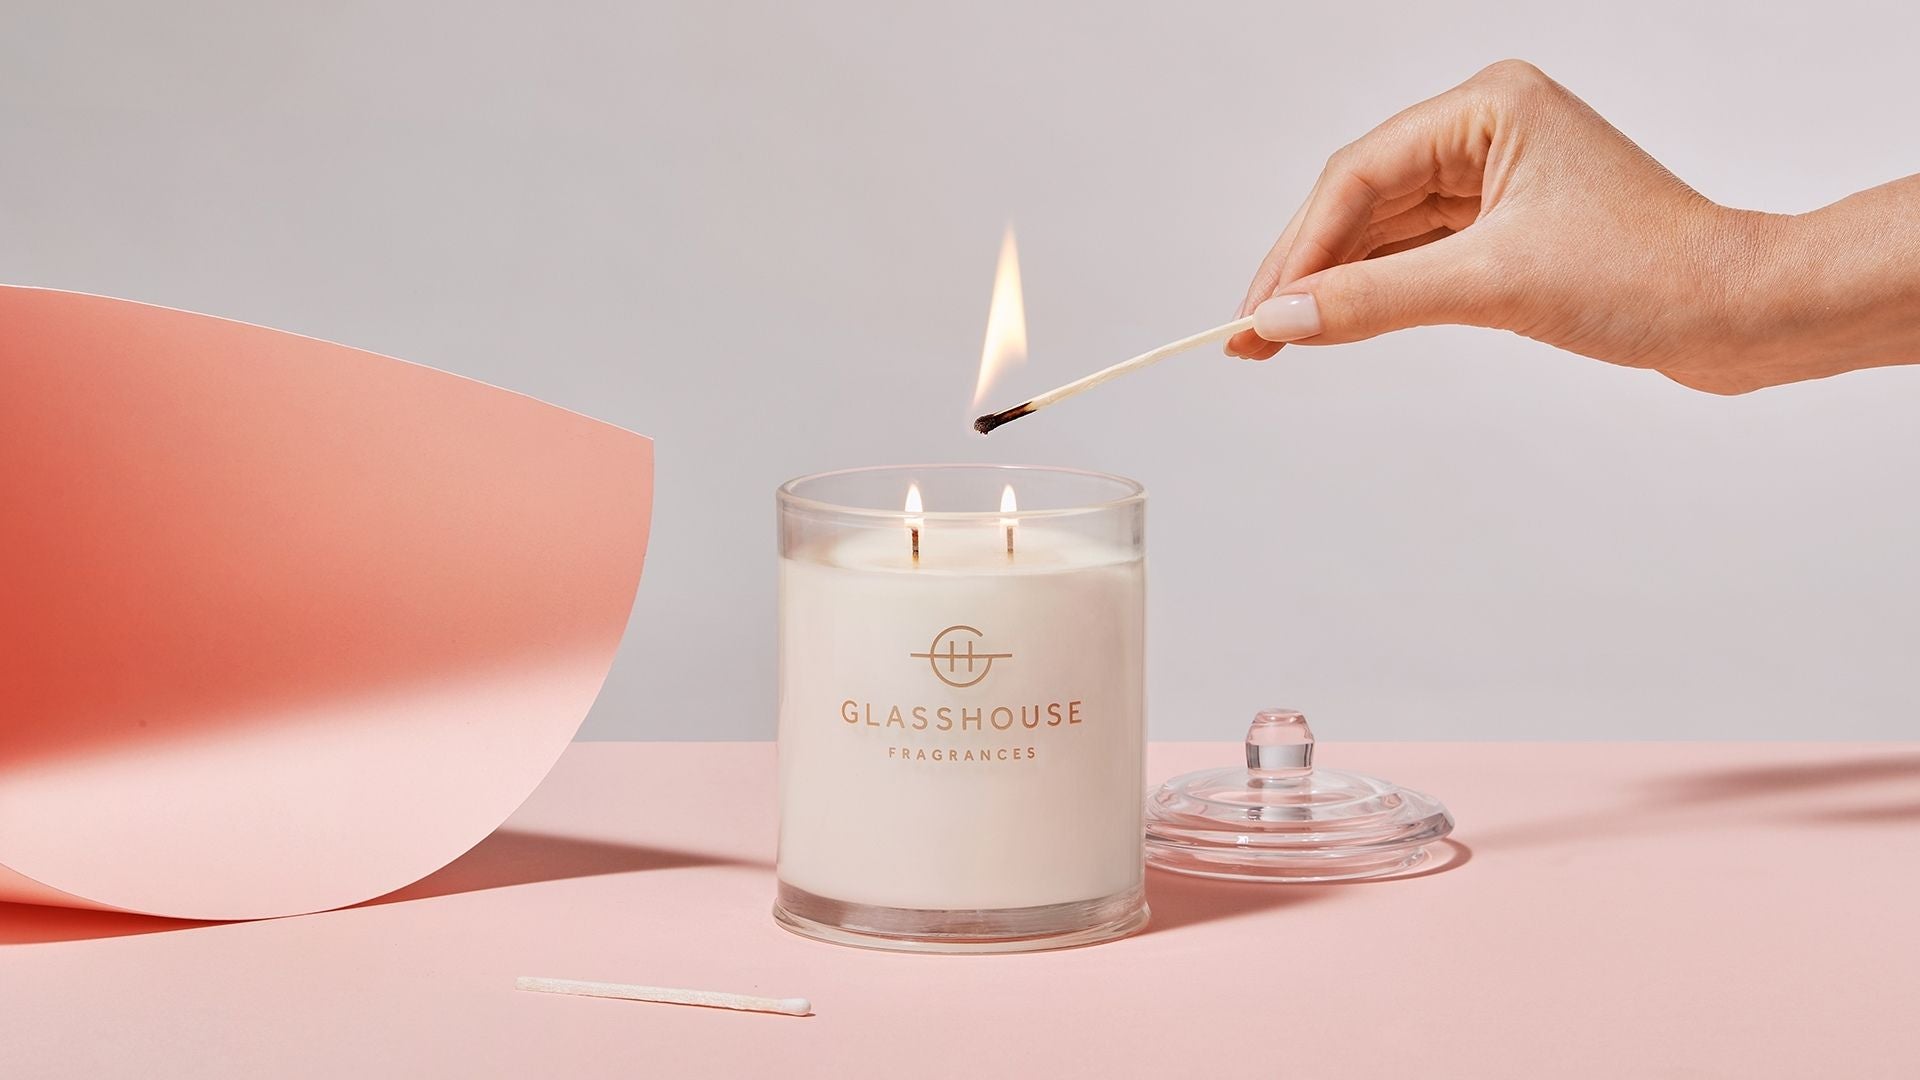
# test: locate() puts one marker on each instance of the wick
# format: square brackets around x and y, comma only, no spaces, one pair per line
[914,530]
[1009,541]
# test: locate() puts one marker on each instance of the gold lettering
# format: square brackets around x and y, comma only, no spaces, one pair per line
[980,719]
[954,754]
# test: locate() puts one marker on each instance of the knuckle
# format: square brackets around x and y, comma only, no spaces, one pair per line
[1512,71]
[1513,80]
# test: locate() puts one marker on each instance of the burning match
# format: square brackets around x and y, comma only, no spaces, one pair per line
[987,423]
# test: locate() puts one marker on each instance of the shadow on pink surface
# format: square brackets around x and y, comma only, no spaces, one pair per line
[1816,776]
[1181,900]
[512,857]
[507,858]
[1876,789]
[1824,791]
[34,924]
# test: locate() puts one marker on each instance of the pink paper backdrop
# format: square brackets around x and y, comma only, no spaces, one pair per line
[284,625]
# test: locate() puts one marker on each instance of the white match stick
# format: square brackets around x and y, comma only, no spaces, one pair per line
[711,999]
[1146,359]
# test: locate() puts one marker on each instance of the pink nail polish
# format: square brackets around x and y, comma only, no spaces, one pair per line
[1287,318]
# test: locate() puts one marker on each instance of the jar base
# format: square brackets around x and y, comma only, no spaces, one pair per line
[1008,930]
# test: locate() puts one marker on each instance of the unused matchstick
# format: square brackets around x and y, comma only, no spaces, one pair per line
[711,999]
[990,421]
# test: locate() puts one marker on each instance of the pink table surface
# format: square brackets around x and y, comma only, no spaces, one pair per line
[1613,910]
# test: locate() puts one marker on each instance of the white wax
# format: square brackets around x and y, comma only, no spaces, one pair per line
[1039,801]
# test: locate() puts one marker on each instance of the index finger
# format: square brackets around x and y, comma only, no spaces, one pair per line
[1394,162]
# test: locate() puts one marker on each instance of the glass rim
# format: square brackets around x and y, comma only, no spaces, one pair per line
[1133,493]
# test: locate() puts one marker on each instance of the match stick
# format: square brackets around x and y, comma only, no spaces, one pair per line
[993,420]
[711,999]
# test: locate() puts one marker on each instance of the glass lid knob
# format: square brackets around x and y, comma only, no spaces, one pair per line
[1279,745]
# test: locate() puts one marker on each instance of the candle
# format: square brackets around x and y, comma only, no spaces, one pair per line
[961,707]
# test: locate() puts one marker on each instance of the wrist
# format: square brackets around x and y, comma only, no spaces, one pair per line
[1760,316]
[1828,291]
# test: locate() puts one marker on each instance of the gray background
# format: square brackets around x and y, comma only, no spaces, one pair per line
[764,234]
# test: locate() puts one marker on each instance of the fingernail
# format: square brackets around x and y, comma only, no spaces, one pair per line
[1287,318]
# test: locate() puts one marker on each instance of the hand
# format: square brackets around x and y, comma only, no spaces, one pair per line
[1506,202]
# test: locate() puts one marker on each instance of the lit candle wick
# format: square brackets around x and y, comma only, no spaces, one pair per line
[914,521]
[1008,505]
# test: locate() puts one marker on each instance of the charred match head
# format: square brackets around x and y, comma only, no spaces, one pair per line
[987,423]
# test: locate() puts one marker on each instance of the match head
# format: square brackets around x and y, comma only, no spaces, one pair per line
[985,424]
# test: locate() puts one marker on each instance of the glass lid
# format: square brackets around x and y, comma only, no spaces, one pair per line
[1281,819]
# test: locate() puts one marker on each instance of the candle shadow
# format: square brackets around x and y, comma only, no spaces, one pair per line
[506,858]
[1181,900]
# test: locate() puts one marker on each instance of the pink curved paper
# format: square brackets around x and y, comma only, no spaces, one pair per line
[284,625]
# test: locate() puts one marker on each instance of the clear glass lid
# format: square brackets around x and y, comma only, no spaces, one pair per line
[1281,819]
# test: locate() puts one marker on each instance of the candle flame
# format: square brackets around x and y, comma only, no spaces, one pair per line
[1006,343]
[913,500]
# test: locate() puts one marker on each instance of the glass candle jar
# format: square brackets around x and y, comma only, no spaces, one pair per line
[962,715]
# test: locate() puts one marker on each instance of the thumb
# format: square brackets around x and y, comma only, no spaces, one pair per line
[1440,282]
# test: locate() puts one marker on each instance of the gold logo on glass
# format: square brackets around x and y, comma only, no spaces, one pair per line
[946,650]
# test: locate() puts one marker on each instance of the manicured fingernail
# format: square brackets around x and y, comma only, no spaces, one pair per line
[1287,318]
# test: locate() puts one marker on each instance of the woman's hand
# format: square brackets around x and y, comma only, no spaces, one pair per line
[1506,202]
